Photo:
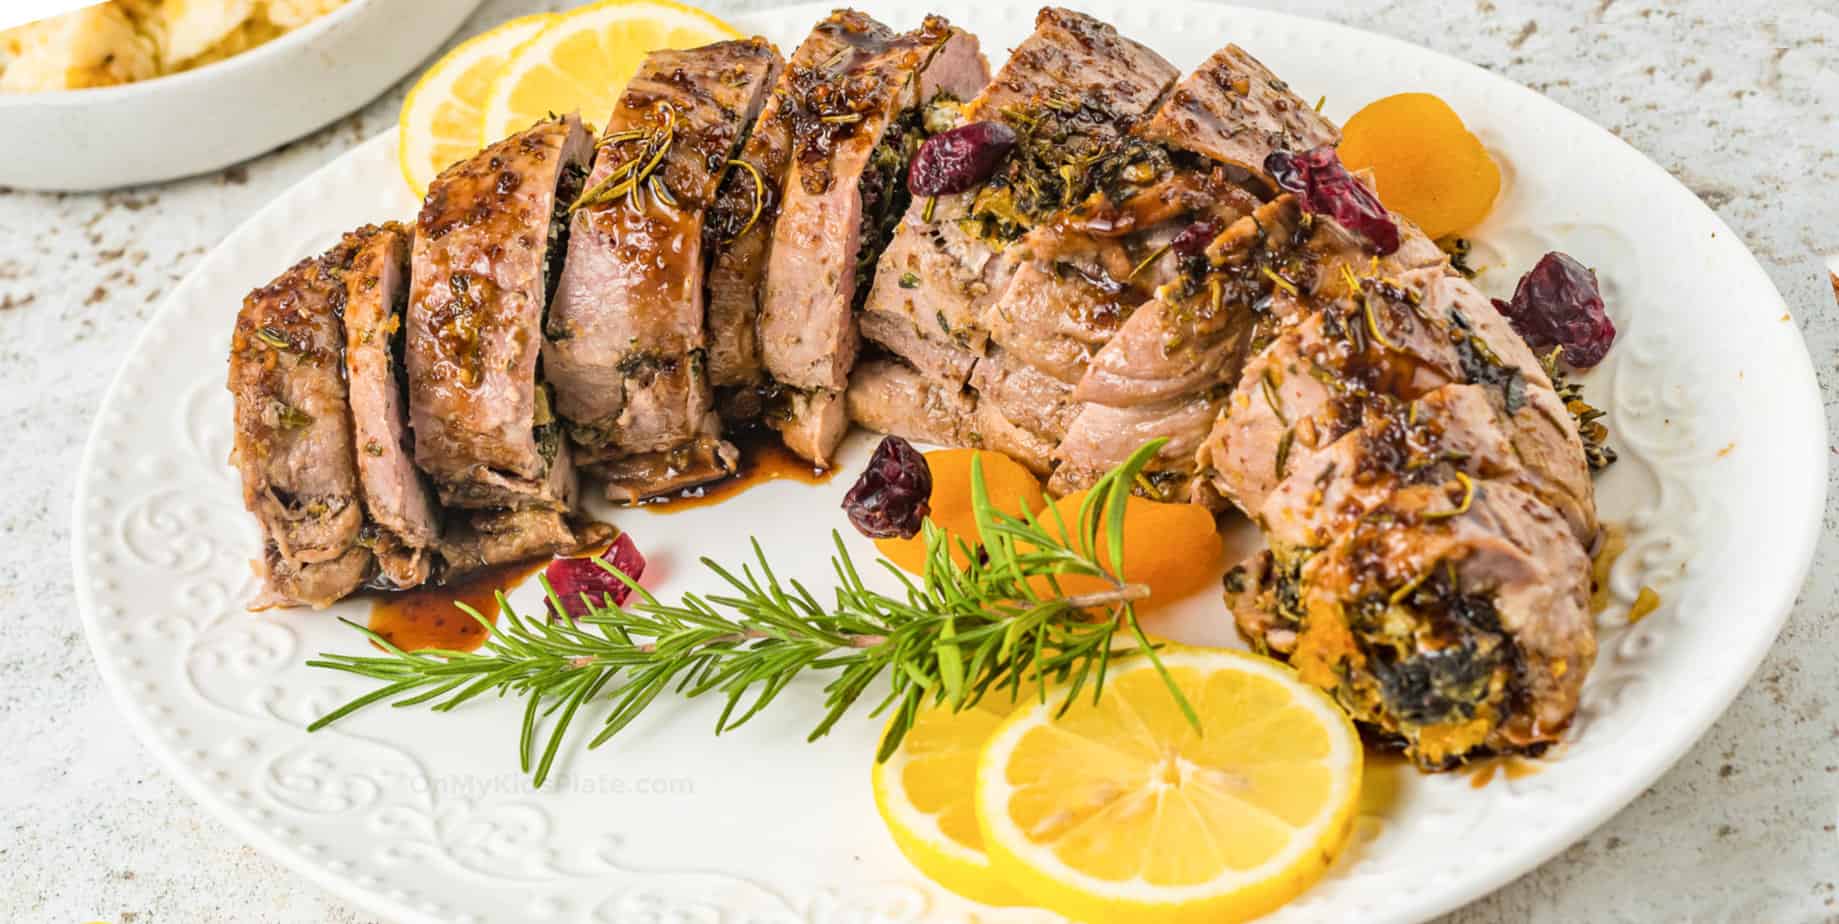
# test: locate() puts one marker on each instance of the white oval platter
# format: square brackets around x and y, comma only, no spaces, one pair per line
[424,818]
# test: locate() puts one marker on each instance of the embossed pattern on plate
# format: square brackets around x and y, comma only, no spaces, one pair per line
[425,818]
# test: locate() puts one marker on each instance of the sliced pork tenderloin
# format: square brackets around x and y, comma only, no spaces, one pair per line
[1464,429]
[293,439]
[488,250]
[1350,358]
[856,120]
[739,227]
[1028,397]
[1102,436]
[626,348]
[405,521]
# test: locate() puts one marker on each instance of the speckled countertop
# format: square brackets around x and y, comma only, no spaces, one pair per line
[1741,104]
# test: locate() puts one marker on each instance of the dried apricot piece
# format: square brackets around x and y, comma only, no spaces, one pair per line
[1426,163]
[1172,548]
[1011,487]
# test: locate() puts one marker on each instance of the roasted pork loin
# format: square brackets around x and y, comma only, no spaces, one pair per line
[856,119]
[626,349]
[488,252]
[1128,270]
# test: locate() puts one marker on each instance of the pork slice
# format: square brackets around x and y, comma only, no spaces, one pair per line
[496,537]
[1455,616]
[1451,297]
[992,429]
[936,276]
[293,440]
[404,518]
[1456,428]
[1102,437]
[290,583]
[625,348]
[1054,320]
[937,271]
[937,356]
[742,218]
[889,397]
[1026,396]
[1233,110]
[812,424]
[488,245]
[1316,382]
[1360,355]
[841,195]
[633,478]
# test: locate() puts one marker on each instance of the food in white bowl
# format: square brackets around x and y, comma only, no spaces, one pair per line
[241,87]
[123,41]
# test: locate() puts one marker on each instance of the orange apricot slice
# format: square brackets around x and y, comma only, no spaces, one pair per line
[1012,489]
[1174,549]
[1425,162]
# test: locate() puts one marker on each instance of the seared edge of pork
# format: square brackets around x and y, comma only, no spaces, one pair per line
[1233,110]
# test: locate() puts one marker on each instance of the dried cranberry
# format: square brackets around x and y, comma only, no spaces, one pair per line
[891,498]
[1193,239]
[957,160]
[1323,187]
[1560,304]
[571,578]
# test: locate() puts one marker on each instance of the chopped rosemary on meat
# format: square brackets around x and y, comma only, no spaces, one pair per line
[996,625]
[274,337]
[640,167]
[291,418]
[1066,152]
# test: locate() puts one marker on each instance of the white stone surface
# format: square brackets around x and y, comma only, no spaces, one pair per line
[1738,99]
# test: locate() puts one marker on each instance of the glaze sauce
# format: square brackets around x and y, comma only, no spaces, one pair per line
[428,617]
[763,458]
[1483,772]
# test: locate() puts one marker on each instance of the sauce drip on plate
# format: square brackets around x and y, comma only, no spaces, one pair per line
[429,617]
[763,458]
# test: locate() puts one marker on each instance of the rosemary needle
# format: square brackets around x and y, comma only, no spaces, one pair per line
[998,624]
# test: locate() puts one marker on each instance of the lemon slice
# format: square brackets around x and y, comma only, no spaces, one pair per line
[440,119]
[583,60]
[926,794]
[1120,812]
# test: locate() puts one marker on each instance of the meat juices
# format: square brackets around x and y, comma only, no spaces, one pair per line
[488,249]
[626,348]
[856,120]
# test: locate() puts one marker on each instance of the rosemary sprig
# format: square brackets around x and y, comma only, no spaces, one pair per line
[998,624]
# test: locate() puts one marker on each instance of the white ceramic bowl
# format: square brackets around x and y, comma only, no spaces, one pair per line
[221,113]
